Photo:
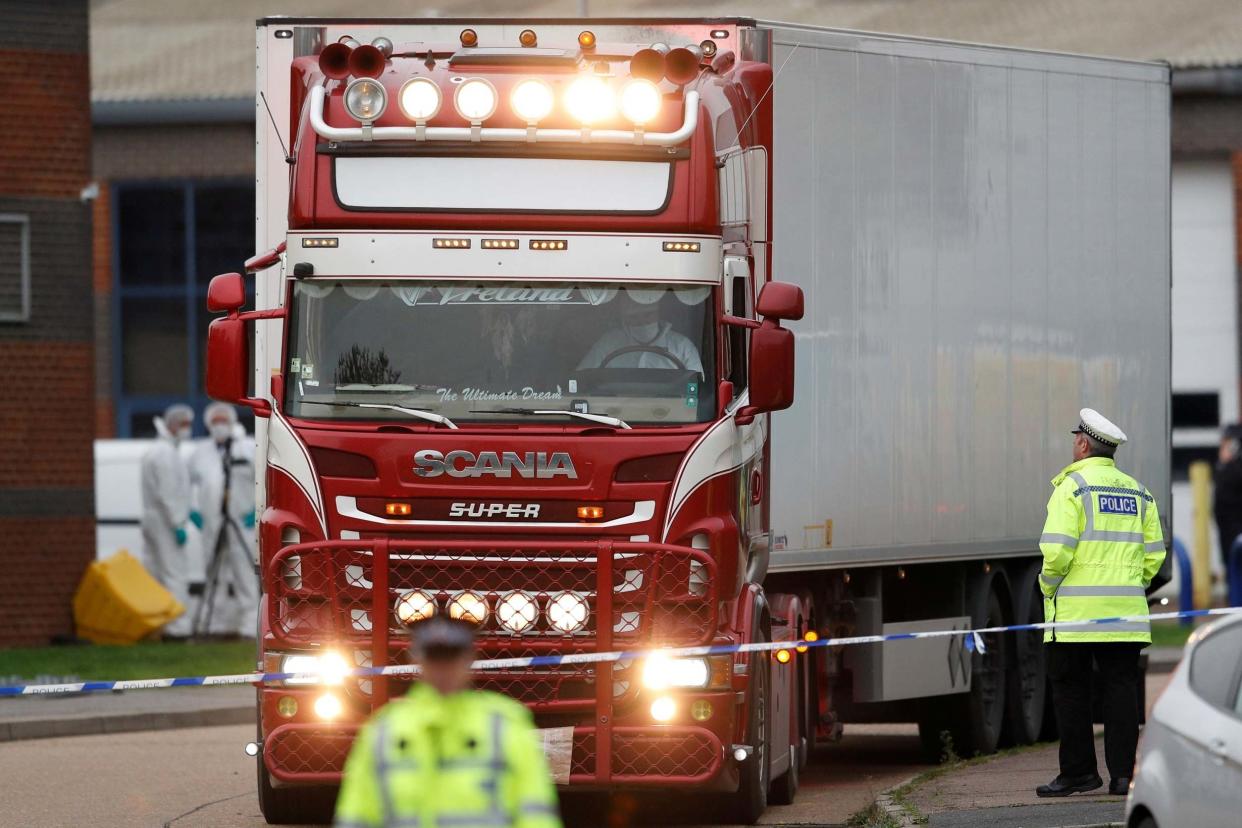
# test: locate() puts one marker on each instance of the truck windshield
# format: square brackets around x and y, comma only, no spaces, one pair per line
[483,352]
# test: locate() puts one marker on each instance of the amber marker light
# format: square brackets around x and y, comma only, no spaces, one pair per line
[590,512]
[468,38]
[586,39]
[783,656]
[811,635]
[528,38]
[398,509]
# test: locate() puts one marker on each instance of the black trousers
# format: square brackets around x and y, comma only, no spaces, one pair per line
[1069,669]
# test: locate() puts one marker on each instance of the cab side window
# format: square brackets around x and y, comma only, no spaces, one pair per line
[739,338]
[1216,669]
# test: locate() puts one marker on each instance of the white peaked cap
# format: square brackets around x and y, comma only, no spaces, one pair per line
[1094,424]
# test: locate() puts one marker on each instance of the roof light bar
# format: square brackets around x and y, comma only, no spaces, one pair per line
[450,244]
[500,244]
[690,120]
[549,244]
[320,241]
[681,247]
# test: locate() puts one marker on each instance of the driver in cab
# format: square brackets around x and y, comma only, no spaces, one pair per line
[643,340]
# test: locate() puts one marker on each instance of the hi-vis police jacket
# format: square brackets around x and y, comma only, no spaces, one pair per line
[469,760]
[1102,545]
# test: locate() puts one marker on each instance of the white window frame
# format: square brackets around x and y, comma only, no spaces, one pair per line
[23,220]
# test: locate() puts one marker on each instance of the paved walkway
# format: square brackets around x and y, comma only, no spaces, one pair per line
[1000,793]
[39,717]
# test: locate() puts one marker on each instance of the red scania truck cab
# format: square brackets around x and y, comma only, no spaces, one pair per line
[513,356]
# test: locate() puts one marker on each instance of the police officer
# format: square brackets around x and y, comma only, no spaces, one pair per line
[1102,545]
[447,755]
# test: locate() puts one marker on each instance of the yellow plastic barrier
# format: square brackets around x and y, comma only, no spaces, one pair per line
[118,602]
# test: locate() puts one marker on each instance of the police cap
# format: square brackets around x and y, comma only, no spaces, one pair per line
[440,638]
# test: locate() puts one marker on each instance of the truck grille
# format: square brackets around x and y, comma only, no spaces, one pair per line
[626,595]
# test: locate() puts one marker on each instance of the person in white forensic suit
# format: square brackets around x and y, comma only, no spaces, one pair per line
[165,480]
[226,459]
[643,340]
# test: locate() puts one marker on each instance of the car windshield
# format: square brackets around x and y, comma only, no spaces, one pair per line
[501,351]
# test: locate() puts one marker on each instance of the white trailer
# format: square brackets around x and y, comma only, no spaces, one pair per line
[982,235]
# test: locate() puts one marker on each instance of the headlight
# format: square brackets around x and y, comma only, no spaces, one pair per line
[366,99]
[567,612]
[641,101]
[590,100]
[661,672]
[468,606]
[532,100]
[517,612]
[329,667]
[475,99]
[420,99]
[415,605]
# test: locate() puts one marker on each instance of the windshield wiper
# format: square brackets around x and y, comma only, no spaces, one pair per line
[429,416]
[602,419]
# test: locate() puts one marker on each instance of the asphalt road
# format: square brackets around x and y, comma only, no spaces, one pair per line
[200,777]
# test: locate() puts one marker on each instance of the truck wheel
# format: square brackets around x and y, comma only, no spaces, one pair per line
[294,806]
[751,799]
[1027,680]
[973,720]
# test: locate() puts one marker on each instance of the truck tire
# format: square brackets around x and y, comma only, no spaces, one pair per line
[969,724]
[294,806]
[751,800]
[1027,679]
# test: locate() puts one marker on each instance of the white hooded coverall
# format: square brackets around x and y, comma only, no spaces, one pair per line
[165,510]
[238,558]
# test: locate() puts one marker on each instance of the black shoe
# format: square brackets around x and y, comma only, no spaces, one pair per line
[1066,785]
[1119,786]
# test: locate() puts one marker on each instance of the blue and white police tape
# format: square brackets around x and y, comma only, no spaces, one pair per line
[974,640]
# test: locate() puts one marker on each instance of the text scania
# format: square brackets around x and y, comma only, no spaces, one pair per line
[530,464]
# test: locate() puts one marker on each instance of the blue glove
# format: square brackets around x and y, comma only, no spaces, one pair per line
[181,535]
[196,518]
[249,519]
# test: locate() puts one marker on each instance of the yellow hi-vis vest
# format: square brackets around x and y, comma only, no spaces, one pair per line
[469,760]
[1102,545]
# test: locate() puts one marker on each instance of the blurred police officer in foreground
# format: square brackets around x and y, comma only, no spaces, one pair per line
[1102,545]
[448,755]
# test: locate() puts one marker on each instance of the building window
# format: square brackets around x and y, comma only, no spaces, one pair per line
[14,267]
[169,240]
[1198,410]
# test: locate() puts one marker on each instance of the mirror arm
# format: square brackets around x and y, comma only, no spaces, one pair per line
[746,414]
[270,313]
[263,261]
[738,321]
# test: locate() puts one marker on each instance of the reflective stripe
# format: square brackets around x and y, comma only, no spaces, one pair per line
[1114,537]
[1088,506]
[539,809]
[486,818]
[1100,592]
[1143,504]
[1108,626]
[1154,546]
[1051,580]
[1068,541]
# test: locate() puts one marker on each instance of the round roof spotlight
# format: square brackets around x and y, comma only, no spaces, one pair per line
[532,100]
[662,48]
[586,39]
[349,40]
[366,99]
[647,64]
[384,45]
[468,38]
[475,99]
[366,62]
[708,47]
[420,99]
[641,101]
[590,100]
[528,38]
[681,66]
[334,61]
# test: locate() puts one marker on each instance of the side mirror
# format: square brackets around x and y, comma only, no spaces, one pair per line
[780,300]
[772,351]
[227,292]
[228,344]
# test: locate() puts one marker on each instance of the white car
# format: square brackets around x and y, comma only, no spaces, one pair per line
[1189,768]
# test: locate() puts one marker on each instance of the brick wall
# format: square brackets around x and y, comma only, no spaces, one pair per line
[47,410]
